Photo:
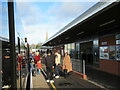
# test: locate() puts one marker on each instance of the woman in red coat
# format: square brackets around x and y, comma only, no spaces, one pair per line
[37,57]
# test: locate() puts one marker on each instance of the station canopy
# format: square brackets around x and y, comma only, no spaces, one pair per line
[100,18]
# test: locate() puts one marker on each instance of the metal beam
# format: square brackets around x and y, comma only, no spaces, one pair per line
[12,44]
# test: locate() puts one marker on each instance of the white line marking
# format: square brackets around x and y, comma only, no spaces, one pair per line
[31,82]
[95,83]
[44,72]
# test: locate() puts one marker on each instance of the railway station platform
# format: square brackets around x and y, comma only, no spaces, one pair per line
[71,82]
[39,82]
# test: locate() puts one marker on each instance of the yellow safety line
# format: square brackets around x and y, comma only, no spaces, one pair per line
[53,86]
[44,72]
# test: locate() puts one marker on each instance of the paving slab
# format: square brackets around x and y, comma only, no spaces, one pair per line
[40,82]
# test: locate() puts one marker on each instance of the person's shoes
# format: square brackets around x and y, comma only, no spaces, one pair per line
[47,80]
[6,86]
[57,77]
[54,75]
[51,81]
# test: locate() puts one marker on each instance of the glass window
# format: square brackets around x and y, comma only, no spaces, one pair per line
[4,41]
[22,64]
[77,51]
[118,52]
[118,36]
[117,41]
[112,53]
[65,49]
[69,46]
[104,52]
[72,50]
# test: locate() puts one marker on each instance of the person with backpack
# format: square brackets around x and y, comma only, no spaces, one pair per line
[49,67]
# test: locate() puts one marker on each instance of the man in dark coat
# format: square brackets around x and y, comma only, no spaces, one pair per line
[49,66]
[53,60]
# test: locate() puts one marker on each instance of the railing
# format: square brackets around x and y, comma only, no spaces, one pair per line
[77,65]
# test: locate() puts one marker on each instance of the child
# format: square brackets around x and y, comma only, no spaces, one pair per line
[38,67]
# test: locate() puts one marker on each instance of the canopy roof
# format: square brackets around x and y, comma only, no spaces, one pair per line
[101,17]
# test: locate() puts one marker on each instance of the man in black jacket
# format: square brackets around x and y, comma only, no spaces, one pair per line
[49,66]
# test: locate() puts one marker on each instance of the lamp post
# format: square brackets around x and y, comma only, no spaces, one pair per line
[27,52]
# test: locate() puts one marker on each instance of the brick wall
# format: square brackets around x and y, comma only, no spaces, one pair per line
[110,66]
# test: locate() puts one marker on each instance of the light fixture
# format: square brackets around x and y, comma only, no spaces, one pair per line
[80,33]
[107,23]
[67,37]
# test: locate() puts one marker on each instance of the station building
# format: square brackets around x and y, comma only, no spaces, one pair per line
[96,33]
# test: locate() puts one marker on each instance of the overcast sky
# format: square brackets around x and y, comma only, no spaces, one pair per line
[34,19]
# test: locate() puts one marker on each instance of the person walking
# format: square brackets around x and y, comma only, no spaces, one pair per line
[57,62]
[67,66]
[49,66]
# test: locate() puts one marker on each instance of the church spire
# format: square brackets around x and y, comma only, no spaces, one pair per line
[46,36]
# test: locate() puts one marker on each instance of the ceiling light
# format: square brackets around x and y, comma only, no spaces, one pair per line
[80,33]
[107,23]
[67,37]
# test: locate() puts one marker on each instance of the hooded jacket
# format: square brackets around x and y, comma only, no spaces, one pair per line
[48,61]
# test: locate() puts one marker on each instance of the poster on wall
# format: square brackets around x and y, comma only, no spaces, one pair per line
[112,55]
[104,52]
[118,52]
